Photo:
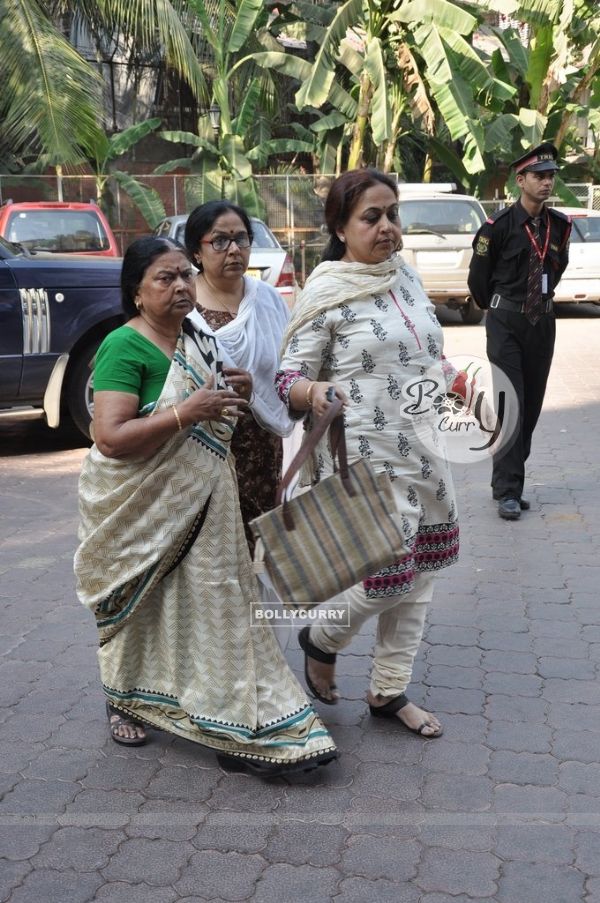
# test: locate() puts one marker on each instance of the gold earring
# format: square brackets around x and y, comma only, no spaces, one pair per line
[138,304]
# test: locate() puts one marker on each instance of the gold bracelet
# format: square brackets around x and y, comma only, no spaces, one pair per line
[309,392]
[177,417]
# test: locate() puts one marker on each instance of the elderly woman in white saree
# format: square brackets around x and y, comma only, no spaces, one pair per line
[163,562]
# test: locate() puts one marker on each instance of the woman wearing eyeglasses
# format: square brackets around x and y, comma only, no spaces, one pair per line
[248,318]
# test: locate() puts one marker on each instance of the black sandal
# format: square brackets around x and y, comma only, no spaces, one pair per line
[327,658]
[236,764]
[391,708]
[112,711]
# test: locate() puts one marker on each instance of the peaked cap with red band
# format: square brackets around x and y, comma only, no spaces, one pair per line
[539,159]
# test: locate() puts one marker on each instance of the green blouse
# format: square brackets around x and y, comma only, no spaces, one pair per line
[129,362]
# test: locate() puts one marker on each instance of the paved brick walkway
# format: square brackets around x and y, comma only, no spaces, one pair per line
[505,807]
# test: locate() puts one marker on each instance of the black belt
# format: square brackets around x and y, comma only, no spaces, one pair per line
[500,303]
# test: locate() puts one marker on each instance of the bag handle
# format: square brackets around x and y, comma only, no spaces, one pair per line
[332,418]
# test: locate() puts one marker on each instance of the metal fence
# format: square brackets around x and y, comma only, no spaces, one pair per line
[293,205]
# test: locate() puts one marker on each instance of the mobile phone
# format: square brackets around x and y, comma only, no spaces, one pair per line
[330,394]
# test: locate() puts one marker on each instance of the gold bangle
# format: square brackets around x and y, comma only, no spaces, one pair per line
[177,417]
[309,392]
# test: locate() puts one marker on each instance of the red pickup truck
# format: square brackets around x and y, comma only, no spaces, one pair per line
[65,228]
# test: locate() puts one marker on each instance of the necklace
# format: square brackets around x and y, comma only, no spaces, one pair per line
[215,297]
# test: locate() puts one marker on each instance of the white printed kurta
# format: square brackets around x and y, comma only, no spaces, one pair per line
[375,347]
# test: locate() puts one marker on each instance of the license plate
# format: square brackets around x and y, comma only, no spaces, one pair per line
[254,272]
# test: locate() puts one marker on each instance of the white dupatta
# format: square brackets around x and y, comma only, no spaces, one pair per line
[252,341]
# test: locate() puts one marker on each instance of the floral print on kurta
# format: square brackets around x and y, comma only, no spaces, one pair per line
[371,347]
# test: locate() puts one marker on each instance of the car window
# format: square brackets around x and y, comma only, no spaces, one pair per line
[585,229]
[440,216]
[58,230]
[263,237]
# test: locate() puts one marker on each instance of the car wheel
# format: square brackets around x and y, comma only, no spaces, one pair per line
[80,389]
[470,313]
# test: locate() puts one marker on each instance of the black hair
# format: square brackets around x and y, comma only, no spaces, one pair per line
[140,254]
[343,197]
[202,219]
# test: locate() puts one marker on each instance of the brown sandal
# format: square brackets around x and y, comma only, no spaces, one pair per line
[114,726]
[390,710]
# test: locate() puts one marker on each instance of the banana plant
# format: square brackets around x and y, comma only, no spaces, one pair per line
[104,150]
[222,164]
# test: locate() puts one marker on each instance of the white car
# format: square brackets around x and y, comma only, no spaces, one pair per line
[581,279]
[268,260]
[438,227]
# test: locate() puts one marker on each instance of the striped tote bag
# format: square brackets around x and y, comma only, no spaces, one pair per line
[334,535]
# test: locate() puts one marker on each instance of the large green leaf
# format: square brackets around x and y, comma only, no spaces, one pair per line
[205,184]
[533,125]
[499,133]
[331,121]
[279,146]
[232,151]
[50,95]
[446,155]
[350,58]
[191,139]
[568,197]
[540,54]
[171,165]
[301,70]
[247,12]
[146,199]
[246,194]
[246,118]
[441,12]
[473,69]
[517,53]
[315,91]
[380,107]
[540,13]
[473,148]
[125,140]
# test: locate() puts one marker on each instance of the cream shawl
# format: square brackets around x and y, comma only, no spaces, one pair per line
[336,282]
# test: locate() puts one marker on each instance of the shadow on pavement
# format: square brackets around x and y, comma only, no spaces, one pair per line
[29,437]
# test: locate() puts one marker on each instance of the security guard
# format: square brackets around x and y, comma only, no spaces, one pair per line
[519,255]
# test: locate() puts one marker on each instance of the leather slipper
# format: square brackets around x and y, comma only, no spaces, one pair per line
[327,658]
[390,710]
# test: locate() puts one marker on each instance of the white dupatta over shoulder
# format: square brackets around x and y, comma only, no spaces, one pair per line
[252,341]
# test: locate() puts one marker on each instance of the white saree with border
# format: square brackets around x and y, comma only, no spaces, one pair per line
[164,565]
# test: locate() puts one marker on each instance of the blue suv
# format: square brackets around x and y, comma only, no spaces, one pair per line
[55,309]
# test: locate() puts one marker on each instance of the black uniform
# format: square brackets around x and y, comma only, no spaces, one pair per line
[498,280]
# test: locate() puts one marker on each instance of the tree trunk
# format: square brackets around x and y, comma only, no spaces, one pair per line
[578,94]
[356,156]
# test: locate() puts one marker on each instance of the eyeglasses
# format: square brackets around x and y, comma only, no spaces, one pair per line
[223,242]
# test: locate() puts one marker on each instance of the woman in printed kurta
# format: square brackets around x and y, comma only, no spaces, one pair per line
[365,326]
[163,562]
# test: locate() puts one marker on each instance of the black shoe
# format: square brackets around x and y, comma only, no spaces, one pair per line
[509,509]
[525,505]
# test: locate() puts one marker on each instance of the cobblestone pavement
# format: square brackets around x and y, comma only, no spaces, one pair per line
[505,807]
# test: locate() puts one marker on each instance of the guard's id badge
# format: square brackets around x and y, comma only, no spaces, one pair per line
[544,283]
